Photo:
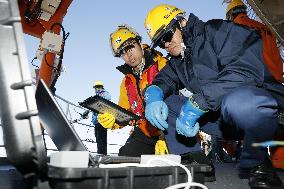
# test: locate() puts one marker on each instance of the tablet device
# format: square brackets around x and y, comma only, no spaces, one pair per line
[100,105]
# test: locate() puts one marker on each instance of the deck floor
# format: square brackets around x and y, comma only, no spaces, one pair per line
[227,177]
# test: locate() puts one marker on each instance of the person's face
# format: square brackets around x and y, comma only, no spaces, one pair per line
[98,89]
[172,41]
[132,54]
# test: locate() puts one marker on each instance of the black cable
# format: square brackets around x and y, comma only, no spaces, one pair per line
[48,63]
[77,112]
[85,124]
[58,69]
[89,140]
[44,141]
[34,64]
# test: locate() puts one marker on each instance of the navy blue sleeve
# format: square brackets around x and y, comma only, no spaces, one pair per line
[239,53]
[167,80]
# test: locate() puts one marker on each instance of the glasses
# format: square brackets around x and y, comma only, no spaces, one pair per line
[167,37]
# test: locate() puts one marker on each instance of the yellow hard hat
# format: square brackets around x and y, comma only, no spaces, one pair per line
[159,19]
[120,35]
[98,84]
[233,4]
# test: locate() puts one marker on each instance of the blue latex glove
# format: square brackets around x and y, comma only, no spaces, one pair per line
[184,129]
[186,123]
[156,110]
[157,113]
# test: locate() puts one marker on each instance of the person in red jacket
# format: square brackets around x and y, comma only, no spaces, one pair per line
[236,12]
[141,66]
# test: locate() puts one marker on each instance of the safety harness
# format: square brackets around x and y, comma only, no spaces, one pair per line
[134,97]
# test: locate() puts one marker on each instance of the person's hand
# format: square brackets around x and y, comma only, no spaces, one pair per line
[161,148]
[157,113]
[185,129]
[186,123]
[156,110]
[107,120]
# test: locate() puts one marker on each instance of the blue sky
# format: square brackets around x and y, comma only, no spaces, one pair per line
[87,54]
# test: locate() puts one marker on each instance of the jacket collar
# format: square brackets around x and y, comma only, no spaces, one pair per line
[193,28]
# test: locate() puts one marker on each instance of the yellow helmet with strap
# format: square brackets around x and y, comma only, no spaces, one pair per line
[159,19]
[233,4]
[121,35]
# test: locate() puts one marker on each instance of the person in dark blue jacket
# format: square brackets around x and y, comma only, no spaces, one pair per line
[233,93]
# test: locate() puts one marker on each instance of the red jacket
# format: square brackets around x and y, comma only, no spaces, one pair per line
[271,53]
[131,88]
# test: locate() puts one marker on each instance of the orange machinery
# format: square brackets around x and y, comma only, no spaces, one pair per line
[38,26]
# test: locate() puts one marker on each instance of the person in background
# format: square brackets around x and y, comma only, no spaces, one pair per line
[237,12]
[100,131]
[234,94]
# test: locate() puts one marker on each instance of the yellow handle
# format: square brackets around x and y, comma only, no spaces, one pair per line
[161,148]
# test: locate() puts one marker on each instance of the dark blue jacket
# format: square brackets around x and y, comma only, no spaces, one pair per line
[219,57]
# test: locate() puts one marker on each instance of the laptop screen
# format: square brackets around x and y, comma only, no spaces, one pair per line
[55,122]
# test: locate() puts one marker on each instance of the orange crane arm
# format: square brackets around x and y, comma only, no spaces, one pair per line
[38,28]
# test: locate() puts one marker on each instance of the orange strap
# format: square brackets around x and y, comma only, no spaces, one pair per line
[135,100]
[133,97]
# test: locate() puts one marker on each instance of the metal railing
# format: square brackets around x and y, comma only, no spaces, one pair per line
[82,125]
